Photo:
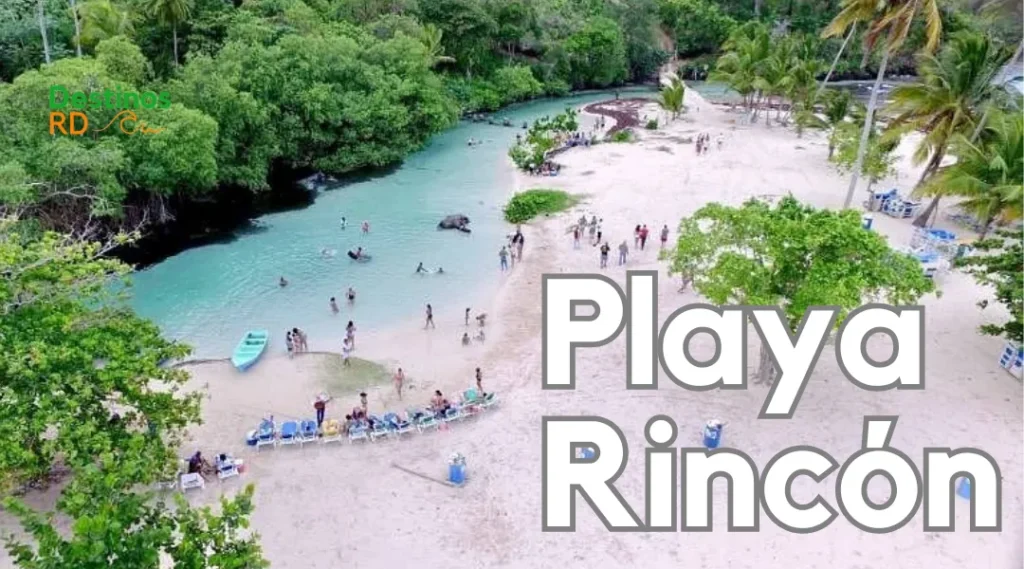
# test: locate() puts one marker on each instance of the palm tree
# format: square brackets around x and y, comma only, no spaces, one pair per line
[171,13]
[41,17]
[435,49]
[853,13]
[747,50]
[102,19]
[947,100]
[988,174]
[892,21]
[672,95]
[838,105]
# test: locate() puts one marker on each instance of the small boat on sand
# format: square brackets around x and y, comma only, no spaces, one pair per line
[250,349]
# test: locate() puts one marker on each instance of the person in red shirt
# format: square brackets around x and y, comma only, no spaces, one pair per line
[643,237]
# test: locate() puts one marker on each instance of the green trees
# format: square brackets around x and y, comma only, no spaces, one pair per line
[1001,266]
[792,256]
[84,388]
[697,26]
[597,54]
[544,135]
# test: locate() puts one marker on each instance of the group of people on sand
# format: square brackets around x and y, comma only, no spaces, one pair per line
[360,415]
[296,341]
[703,143]
[197,464]
[513,251]
[547,168]
[640,236]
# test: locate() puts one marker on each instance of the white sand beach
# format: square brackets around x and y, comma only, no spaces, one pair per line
[326,507]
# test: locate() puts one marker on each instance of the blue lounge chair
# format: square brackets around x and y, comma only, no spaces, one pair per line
[289,433]
[423,419]
[452,413]
[358,432]
[265,435]
[307,432]
[378,429]
[396,424]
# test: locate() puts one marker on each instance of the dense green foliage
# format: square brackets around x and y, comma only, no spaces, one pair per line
[527,205]
[792,256]
[83,388]
[544,135]
[1001,266]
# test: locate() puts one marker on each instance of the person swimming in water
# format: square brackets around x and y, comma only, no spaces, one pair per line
[420,268]
[344,222]
[440,271]
[351,295]
[282,283]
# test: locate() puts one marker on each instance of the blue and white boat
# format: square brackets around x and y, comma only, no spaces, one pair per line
[250,349]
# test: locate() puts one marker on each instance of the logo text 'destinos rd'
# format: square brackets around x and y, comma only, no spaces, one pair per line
[67,108]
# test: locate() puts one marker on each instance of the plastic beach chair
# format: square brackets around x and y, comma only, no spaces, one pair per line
[357,433]
[265,435]
[192,481]
[332,432]
[307,432]
[451,414]
[489,400]
[289,433]
[227,469]
[396,424]
[423,419]
[378,428]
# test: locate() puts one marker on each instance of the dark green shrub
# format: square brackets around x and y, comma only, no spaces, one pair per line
[527,205]
[652,124]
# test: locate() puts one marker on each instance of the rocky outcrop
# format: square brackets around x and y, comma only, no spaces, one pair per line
[456,221]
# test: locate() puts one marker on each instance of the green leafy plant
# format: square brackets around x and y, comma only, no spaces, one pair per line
[624,135]
[652,124]
[1001,267]
[527,205]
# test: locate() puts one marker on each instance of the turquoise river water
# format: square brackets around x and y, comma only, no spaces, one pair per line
[211,295]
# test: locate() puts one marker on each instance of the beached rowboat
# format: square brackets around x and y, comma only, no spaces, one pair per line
[250,349]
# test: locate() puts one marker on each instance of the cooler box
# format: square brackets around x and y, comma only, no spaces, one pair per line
[457,474]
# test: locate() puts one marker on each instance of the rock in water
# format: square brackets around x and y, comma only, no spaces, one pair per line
[456,221]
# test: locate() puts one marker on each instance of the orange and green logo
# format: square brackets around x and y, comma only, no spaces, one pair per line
[67,109]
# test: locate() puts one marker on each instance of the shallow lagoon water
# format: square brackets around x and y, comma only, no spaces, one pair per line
[211,295]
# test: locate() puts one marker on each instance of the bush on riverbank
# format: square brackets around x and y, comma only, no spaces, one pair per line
[527,205]
[543,136]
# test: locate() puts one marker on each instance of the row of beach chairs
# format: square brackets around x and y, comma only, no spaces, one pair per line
[387,426]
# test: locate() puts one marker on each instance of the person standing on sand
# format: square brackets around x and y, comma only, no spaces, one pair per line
[320,405]
[364,404]
[334,305]
[519,247]
[643,236]
[599,232]
[289,343]
[604,255]
[467,317]
[346,352]
[350,333]
[430,318]
[623,249]
[299,338]
[399,381]
[636,237]
[592,231]
[664,236]
[503,256]
[479,383]
[576,237]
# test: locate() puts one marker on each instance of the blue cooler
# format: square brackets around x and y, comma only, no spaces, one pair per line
[963,488]
[457,474]
[712,435]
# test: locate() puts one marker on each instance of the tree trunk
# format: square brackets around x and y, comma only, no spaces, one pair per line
[831,70]
[174,33]
[765,367]
[933,206]
[865,59]
[865,134]
[78,28]
[42,29]
[986,227]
